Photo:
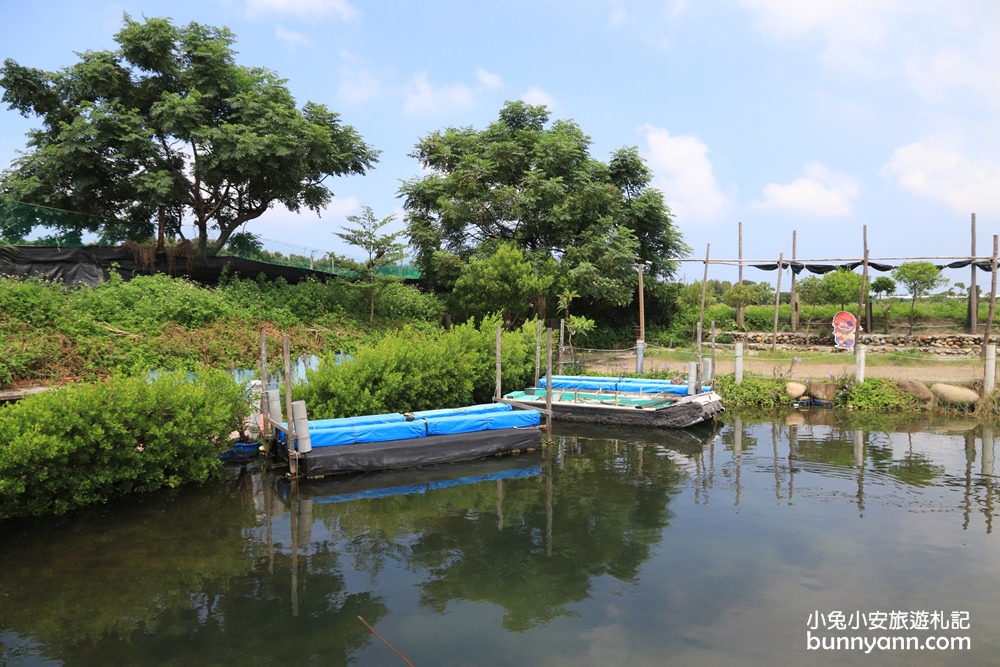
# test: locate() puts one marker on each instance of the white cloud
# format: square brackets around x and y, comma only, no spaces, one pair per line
[422,97]
[488,79]
[291,37]
[944,173]
[358,83]
[938,74]
[684,173]
[537,96]
[820,193]
[848,29]
[341,9]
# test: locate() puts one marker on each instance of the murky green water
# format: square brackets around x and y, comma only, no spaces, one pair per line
[615,548]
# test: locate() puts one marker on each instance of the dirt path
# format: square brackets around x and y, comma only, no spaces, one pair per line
[930,368]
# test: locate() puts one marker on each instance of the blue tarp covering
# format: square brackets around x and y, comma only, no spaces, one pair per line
[395,426]
[359,433]
[469,410]
[631,385]
[350,421]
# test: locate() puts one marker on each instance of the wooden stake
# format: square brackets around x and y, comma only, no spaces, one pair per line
[993,295]
[548,382]
[973,321]
[777,302]
[794,300]
[704,287]
[266,432]
[498,393]
[538,353]
[293,462]
[739,309]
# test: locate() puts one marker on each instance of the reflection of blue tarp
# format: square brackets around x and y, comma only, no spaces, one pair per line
[424,487]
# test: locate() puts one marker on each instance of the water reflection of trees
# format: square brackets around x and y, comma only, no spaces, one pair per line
[176,578]
[829,443]
[530,546]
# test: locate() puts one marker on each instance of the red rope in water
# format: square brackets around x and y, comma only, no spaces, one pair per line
[398,652]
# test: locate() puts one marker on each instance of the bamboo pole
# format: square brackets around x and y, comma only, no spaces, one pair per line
[794,300]
[704,289]
[739,309]
[777,302]
[293,462]
[993,293]
[973,321]
[548,383]
[266,432]
[864,285]
[497,393]
[538,352]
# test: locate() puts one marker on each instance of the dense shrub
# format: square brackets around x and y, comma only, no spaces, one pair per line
[85,444]
[419,369]
[753,393]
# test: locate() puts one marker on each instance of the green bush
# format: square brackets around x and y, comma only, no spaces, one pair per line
[753,393]
[86,444]
[873,395]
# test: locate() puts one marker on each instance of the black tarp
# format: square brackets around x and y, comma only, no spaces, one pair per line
[91,265]
[799,267]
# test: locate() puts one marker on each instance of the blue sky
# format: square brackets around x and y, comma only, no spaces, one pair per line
[786,115]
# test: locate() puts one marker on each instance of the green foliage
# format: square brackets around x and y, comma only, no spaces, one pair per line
[86,444]
[168,126]
[504,281]
[534,184]
[421,369]
[873,395]
[918,278]
[382,249]
[842,287]
[753,393]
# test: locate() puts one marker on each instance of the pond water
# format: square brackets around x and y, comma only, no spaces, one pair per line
[759,543]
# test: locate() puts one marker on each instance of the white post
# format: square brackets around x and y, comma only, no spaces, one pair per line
[990,377]
[693,378]
[304,444]
[738,361]
[707,373]
[640,347]
[274,405]
[859,362]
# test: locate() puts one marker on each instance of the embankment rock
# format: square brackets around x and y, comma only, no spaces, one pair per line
[916,389]
[952,395]
[795,390]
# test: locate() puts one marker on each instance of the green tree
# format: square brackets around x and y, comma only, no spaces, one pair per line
[741,296]
[535,184]
[167,129]
[882,287]
[841,287]
[382,249]
[918,278]
[504,282]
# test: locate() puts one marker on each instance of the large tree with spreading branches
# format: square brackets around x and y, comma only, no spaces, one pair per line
[534,184]
[166,130]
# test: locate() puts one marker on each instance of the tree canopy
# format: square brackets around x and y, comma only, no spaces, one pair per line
[168,129]
[533,183]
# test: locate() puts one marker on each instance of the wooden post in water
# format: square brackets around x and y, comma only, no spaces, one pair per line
[293,462]
[538,353]
[777,303]
[993,293]
[266,432]
[548,382]
[498,393]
